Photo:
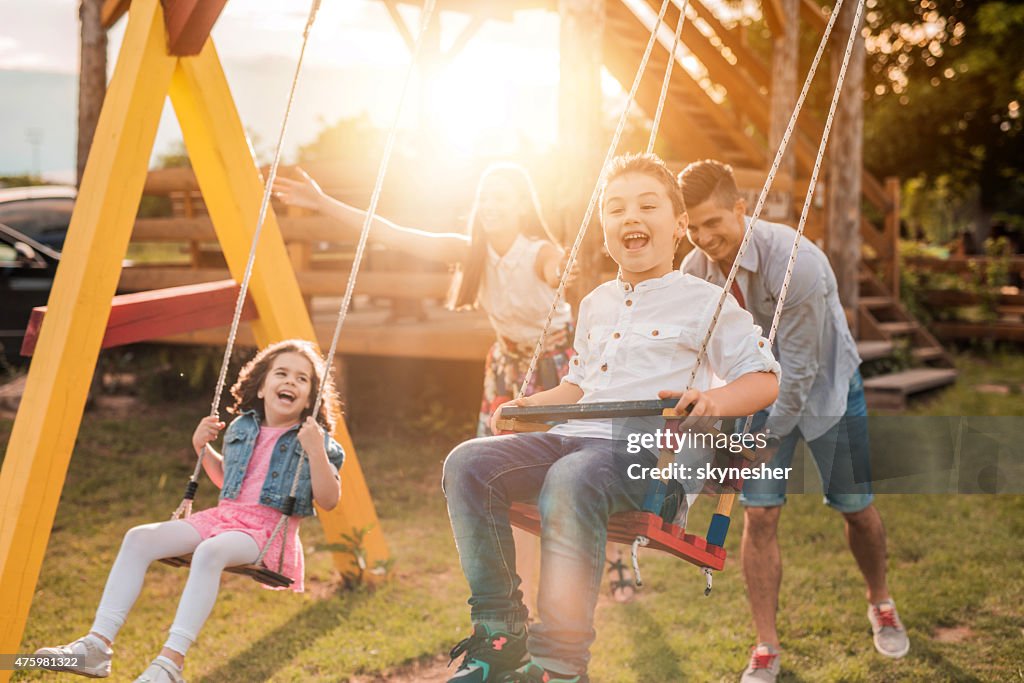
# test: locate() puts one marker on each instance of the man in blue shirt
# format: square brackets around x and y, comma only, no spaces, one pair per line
[821,400]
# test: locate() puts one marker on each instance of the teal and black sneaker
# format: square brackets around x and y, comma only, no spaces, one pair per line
[535,673]
[489,655]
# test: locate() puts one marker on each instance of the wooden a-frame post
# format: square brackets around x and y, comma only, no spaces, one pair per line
[48,419]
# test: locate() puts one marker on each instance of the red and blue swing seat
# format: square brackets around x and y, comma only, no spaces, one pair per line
[625,527]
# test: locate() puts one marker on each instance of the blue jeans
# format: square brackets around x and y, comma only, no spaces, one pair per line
[842,456]
[576,483]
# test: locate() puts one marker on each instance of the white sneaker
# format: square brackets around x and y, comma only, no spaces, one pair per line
[92,657]
[161,670]
[890,637]
[764,665]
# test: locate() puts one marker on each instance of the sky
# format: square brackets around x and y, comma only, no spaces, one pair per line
[505,81]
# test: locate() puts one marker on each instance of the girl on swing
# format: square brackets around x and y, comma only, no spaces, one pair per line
[508,264]
[274,432]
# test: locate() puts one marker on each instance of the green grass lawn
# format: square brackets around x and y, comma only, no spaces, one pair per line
[955,569]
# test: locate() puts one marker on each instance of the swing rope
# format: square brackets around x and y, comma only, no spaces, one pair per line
[620,126]
[428,10]
[185,508]
[763,197]
[720,520]
[668,77]
[805,210]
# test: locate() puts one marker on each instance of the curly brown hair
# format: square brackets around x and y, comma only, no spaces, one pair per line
[250,379]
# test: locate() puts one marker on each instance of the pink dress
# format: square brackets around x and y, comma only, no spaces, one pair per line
[246,514]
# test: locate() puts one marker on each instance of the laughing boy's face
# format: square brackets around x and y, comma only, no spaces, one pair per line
[641,229]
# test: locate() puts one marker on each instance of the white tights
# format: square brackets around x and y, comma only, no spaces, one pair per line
[144,544]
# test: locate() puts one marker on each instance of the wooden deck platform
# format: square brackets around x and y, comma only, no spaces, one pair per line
[370,331]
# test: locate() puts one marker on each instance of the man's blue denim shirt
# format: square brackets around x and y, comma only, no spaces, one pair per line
[239,441]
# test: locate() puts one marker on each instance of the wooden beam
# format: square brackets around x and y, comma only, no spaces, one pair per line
[233,189]
[747,59]
[399,21]
[112,11]
[311,283]
[461,40]
[44,431]
[814,14]
[189,23]
[774,17]
[145,316]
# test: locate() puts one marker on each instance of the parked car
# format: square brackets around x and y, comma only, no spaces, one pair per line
[41,213]
[27,269]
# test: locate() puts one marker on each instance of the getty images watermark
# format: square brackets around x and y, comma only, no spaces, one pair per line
[661,440]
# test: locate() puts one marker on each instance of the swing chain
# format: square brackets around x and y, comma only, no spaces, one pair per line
[634,555]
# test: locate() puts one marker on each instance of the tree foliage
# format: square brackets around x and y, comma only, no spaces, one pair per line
[945,84]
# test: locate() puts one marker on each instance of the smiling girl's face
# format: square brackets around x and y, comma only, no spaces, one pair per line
[286,389]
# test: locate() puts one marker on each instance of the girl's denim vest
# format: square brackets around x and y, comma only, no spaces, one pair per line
[239,441]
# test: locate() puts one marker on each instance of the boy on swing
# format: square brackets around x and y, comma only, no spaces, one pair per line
[637,338]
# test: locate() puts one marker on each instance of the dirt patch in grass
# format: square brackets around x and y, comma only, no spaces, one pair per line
[434,670]
[952,634]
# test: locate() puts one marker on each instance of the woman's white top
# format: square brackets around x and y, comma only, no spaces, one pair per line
[516,298]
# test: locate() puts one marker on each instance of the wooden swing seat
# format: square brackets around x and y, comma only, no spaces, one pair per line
[267,577]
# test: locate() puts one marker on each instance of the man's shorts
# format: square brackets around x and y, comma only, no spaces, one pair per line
[842,456]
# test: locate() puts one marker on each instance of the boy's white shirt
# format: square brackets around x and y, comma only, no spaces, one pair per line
[632,342]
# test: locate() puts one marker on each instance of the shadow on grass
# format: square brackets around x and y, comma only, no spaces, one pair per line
[277,649]
[652,659]
[925,649]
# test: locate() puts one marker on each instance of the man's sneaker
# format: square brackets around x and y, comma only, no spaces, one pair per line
[535,673]
[489,655]
[91,656]
[890,637]
[161,670]
[764,664]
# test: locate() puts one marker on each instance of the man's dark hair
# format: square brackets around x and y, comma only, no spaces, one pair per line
[709,179]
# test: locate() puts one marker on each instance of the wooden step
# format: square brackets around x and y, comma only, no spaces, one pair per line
[873,350]
[873,302]
[891,391]
[899,327]
[926,353]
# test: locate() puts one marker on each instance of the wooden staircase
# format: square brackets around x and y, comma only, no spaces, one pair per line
[886,330]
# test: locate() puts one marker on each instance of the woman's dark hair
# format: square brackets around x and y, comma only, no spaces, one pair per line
[465,287]
[250,379]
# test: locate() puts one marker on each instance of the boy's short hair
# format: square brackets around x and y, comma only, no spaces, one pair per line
[709,179]
[649,165]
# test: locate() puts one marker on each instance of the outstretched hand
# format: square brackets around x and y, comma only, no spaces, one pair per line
[304,192]
[700,409]
[207,430]
[573,270]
